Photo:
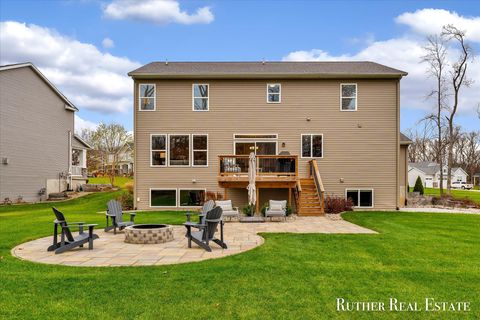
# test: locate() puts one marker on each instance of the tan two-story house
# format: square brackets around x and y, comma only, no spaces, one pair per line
[316,129]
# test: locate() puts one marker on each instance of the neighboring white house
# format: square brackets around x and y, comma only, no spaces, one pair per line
[124,165]
[429,172]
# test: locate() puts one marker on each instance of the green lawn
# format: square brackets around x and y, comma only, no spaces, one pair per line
[459,194]
[119,181]
[291,276]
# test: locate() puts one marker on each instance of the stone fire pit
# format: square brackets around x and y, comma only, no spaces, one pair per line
[148,233]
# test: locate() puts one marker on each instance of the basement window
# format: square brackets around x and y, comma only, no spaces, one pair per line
[163,197]
[361,198]
[192,197]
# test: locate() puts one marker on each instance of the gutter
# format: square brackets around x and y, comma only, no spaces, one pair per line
[138,75]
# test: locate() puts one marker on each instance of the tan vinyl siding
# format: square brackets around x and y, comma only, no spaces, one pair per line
[360,147]
[34,127]
[403,175]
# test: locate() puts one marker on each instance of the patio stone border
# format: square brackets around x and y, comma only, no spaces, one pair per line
[111,250]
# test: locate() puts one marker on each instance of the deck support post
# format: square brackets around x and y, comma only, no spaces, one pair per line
[290,197]
[257,190]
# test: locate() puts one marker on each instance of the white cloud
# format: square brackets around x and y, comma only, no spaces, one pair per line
[431,21]
[108,43]
[155,11]
[403,53]
[89,78]
[81,124]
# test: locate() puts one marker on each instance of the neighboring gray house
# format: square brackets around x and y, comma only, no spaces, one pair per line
[39,153]
[429,172]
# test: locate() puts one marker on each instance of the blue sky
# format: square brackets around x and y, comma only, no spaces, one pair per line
[390,32]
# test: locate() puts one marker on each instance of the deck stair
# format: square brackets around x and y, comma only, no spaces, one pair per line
[309,200]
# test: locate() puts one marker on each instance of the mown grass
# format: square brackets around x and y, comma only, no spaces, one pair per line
[119,181]
[459,194]
[291,276]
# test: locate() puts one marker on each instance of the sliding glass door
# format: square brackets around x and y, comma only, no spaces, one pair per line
[257,147]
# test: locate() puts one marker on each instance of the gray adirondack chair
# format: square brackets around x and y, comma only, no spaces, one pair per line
[115,213]
[206,230]
[207,206]
[67,239]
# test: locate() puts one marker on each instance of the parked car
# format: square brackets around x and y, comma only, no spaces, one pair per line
[462,185]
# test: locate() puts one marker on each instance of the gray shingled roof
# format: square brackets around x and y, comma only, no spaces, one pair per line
[428,167]
[404,139]
[78,142]
[320,69]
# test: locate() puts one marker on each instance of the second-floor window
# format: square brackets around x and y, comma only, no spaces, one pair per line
[274,93]
[312,145]
[348,97]
[146,97]
[200,97]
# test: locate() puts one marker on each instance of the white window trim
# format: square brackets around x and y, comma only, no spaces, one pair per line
[189,149]
[252,140]
[193,150]
[193,96]
[311,145]
[279,93]
[150,198]
[154,97]
[178,197]
[362,189]
[166,150]
[255,134]
[356,96]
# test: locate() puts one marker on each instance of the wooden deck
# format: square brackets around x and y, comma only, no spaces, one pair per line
[272,171]
[275,171]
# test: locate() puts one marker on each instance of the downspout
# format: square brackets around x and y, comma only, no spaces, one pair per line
[397,150]
[69,176]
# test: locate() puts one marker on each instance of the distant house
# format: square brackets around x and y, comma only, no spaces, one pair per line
[429,172]
[476,179]
[39,151]
[124,165]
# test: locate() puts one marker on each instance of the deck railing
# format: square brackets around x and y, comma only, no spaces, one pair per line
[280,165]
[315,173]
[79,171]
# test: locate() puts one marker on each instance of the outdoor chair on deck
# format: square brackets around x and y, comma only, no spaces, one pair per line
[276,208]
[115,213]
[228,210]
[206,230]
[67,240]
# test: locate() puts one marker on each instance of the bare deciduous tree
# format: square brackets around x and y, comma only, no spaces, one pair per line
[436,59]
[458,80]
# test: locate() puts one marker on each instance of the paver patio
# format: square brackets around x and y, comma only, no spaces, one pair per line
[111,250]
